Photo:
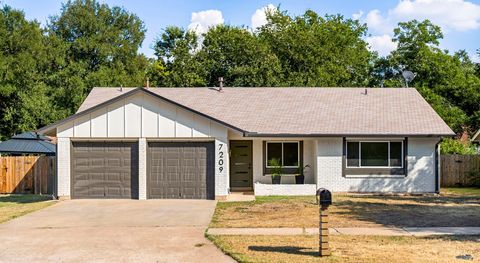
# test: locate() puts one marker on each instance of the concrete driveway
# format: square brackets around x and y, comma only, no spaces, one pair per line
[112,231]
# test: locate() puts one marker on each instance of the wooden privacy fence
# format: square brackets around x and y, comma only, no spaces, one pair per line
[27,174]
[455,169]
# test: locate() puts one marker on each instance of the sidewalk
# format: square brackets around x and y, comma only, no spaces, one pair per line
[359,231]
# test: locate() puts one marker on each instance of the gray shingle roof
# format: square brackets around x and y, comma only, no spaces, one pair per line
[304,111]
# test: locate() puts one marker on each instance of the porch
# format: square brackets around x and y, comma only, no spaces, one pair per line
[250,169]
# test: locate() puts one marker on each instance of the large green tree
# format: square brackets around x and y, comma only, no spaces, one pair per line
[240,57]
[448,82]
[318,51]
[95,45]
[24,101]
[176,64]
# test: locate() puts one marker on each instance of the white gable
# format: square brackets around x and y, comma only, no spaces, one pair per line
[141,115]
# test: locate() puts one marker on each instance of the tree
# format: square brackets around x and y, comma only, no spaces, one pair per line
[318,51]
[24,104]
[240,57]
[98,46]
[448,82]
[176,64]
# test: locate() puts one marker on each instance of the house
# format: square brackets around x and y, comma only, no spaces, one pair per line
[203,143]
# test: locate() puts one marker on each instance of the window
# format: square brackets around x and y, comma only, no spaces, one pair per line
[287,153]
[374,154]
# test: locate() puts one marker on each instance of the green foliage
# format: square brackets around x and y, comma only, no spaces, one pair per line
[96,45]
[24,101]
[240,57]
[474,178]
[449,83]
[318,51]
[176,65]
[453,146]
[277,169]
[46,73]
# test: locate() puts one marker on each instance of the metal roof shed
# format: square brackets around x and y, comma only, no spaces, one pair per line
[28,143]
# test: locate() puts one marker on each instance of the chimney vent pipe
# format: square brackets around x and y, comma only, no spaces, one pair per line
[220,83]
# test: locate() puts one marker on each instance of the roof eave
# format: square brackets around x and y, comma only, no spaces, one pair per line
[291,135]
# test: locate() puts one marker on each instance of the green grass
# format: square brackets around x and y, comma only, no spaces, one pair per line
[13,206]
[463,191]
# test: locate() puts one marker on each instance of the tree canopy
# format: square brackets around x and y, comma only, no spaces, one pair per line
[46,72]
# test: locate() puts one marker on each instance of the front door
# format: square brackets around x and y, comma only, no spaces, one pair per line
[241,175]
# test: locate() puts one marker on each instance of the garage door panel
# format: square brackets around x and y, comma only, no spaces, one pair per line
[180,170]
[104,170]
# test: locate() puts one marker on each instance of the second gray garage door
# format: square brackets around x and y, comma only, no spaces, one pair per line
[104,170]
[180,170]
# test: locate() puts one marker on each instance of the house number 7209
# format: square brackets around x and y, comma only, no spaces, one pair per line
[220,157]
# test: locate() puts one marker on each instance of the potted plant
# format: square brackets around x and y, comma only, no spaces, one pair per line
[276,170]
[300,177]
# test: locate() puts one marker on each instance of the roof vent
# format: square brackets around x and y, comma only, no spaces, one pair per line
[220,83]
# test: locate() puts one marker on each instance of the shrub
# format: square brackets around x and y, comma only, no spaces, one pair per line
[452,146]
[474,178]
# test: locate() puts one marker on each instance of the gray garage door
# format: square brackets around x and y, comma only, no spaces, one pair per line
[180,170]
[104,170]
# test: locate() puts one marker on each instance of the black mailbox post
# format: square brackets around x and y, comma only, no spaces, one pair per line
[324,200]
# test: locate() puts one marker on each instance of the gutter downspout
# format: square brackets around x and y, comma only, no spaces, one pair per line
[437,168]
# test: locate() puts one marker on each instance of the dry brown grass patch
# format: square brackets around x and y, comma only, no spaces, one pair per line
[353,211]
[350,248]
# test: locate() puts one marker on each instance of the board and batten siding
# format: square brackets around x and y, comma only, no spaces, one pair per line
[142,117]
[420,177]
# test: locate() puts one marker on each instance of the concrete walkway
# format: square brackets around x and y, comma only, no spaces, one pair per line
[359,231]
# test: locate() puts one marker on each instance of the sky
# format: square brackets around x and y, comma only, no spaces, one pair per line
[459,19]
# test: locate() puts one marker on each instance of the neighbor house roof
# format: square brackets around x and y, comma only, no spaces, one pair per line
[476,136]
[29,143]
[300,111]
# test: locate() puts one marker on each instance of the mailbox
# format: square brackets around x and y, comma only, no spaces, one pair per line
[324,197]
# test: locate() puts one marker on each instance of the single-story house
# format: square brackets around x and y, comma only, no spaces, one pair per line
[203,143]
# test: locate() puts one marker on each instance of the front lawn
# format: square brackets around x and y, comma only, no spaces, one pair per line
[12,206]
[351,248]
[455,208]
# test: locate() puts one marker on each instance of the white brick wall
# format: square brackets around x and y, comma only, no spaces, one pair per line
[284,189]
[221,167]
[421,169]
[63,167]
[142,168]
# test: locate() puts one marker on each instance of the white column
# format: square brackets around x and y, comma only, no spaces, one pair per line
[142,168]
[63,167]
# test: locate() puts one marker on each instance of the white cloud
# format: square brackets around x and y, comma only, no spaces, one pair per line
[458,15]
[203,20]
[259,18]
[377,22]
[382,44]
[357,15]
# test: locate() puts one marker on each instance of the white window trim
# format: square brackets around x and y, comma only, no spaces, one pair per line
[282,142]
[373,167]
